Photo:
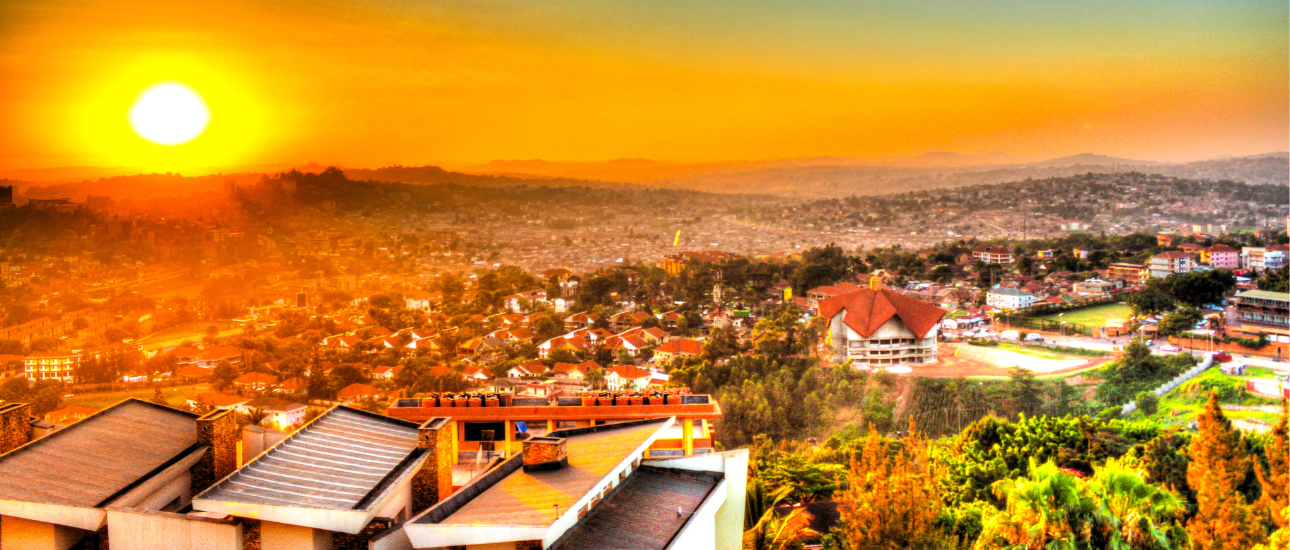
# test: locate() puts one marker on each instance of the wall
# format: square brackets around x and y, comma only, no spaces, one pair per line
[25,534]
[729,519]
[140,530]
[280,536]
[1272,349]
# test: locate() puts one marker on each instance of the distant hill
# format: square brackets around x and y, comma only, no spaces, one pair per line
[1090,159]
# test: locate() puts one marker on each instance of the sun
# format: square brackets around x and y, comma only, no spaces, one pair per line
[169,113]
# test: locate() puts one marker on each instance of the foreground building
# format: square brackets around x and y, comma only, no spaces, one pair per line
[881,328]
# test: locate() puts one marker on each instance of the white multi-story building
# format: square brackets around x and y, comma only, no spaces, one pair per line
[881,328]
[51,366]
[1169,263]
[1009,298]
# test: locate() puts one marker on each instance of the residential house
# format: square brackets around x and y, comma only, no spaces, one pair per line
[1131,274]
[69,414]
[279,413]
[680,348]
[993,255]
[1009,298]
[358,391]
[627,377]
[255,381]
[216,400]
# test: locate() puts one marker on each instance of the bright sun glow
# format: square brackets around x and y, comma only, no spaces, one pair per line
[169,114]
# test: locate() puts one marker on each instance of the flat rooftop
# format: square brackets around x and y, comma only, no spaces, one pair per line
[531,499]
[338,462]
[641,513]
[96,459]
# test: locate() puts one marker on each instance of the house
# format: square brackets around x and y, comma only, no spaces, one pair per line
[279,413]
[56,365]
[295,496]
[993,255]
[679,348]
[1221,256]
[192,373]
[593,488]
[212,356]
[523,301]
[1046,254]
[879,327]
[819,293]
[574,371]
[255,381]
[528,368]
[358,391]
[147,459]
[386,373]
[215,400]
[1169,263]
[293,385]
[627,377]
[1009,298]
[580,321]
[1082,252]
[1131,274]
[1166,239]
[69,414]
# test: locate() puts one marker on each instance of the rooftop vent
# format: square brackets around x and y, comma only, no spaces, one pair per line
[545,453]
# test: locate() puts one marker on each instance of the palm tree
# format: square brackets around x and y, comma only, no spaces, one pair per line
[1134,514]
[1045,510]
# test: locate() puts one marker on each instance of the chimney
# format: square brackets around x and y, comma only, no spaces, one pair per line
[545,453]
[15,426]
[433,482]
[218,430]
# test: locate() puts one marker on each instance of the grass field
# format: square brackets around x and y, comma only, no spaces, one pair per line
[1185,402]
[176,396]
[188,331]
[1094,316]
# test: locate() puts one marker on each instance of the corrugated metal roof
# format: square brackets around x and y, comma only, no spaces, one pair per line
[642,513]
[97,457]
[333,463]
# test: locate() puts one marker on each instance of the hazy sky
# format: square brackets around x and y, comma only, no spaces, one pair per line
[376,82]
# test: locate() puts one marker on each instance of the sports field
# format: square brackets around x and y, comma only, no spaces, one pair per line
[1095,316]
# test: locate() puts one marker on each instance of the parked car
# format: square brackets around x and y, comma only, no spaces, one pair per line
[1034,337]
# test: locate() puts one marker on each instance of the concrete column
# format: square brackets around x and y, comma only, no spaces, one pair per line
[550,426]
[219,431]
[687,436]
[433,482]
[509,436]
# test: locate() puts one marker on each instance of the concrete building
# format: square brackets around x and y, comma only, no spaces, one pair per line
[1131,274]
[57,491]
[1221,256]
[1263,312]
[878,327]
[58,366]
[1009,298]
[590,488]
[993,255]
[1169,263]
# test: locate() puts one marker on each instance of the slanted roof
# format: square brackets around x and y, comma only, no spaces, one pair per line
[346,460]
[867,310]
[641,514]
[93,460]
[528,499]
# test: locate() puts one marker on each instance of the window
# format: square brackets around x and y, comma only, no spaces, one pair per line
[479,431]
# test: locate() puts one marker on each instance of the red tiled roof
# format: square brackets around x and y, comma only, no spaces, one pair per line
[630,371]
[294,384]
[867,310]
[256,378]
[683,346]
[835,290]
[359,390]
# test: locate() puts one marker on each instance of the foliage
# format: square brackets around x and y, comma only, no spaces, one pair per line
[1274,477]
[1179,321]
[1138,370]
[1153,299]
[1218,464]
[1197,288]
[891,500]
[1147,402]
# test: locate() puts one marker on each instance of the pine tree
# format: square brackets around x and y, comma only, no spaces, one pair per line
[1275,481]
[1223,521]
[892,500]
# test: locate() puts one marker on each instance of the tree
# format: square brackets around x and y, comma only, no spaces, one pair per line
[1027,396]
[1132,513]
[595,378]
[159,399]
[223,374]
[1153,299]
[1223,520]
[1275,477]
[1046,509]
[892,500]
[1180,320]
[1198,288]
[1147,402]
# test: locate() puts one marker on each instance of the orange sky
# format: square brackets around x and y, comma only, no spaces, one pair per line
[414,82]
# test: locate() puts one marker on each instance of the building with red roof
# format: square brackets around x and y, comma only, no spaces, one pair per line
[881,328]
